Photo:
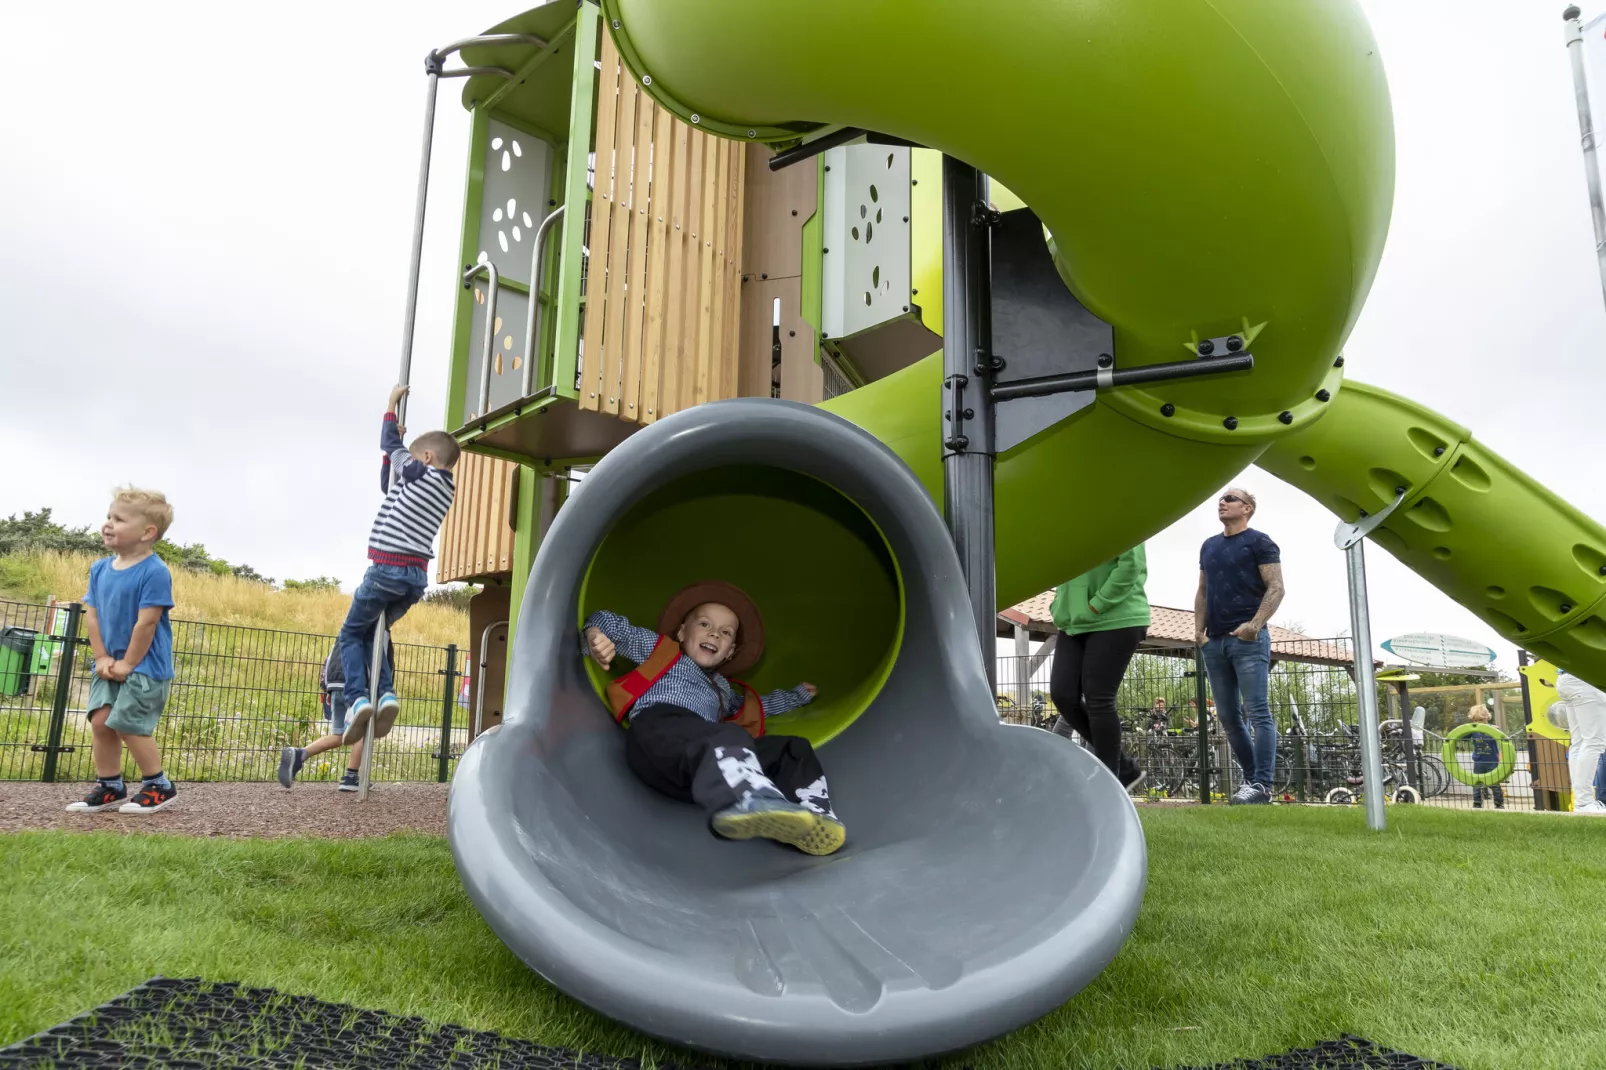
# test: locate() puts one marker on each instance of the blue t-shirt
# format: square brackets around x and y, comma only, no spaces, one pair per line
[1485,753]
[119,596]
[1233,587]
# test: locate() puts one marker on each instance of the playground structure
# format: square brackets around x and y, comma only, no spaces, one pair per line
[635,249]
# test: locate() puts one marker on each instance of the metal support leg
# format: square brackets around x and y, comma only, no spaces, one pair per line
[967,367]
[1365,684]
[1586,135]
[381,635]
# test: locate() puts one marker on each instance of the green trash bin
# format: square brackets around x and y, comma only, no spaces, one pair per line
[16,652]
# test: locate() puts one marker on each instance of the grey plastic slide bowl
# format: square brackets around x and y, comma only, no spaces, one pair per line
[991,871]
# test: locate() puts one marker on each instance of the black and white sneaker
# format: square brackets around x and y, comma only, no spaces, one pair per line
[1248,792]
[291,759]
[1261,797]
[348,782]
[100,797]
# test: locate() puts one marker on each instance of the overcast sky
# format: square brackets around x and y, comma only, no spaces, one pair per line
[204,221]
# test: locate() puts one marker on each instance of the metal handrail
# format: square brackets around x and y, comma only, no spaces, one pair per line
[495,282]
[479,683]
[533,319]
[491,39]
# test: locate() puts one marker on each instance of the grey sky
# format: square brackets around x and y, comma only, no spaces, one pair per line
[205,210]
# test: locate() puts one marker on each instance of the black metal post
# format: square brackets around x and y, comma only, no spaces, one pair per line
[58,707]
[448,700]
[1413,770]
[1201,687]
[1528,720]
[1301,761]
[968,367]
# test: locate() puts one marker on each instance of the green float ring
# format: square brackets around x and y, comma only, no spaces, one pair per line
[1497,775]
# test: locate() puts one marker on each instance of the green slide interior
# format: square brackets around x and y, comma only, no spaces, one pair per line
[821,573]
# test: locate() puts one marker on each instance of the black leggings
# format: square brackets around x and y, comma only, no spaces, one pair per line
[676,752]
[1087,671]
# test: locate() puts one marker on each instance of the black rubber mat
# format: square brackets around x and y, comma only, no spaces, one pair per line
[187,1024]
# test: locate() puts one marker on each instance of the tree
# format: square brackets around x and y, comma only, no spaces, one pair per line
[317,583]
[246,572]
[37,531]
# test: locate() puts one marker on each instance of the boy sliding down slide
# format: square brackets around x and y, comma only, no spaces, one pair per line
[694,737]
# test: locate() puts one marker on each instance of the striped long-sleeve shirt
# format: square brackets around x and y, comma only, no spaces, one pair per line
[687,685]
[404,531]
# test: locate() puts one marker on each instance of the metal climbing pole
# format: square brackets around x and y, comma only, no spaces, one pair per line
[435,70]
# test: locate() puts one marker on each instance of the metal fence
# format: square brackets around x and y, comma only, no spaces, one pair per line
[1318,751]
[239,694]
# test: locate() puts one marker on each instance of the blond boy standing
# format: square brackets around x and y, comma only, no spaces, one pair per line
[129,596]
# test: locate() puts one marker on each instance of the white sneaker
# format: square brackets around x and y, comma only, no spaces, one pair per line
[1597,808]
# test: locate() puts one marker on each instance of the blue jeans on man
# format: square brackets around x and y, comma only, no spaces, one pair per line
[386,591]
[1240,675]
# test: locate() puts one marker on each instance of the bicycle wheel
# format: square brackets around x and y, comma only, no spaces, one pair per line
[1435,777]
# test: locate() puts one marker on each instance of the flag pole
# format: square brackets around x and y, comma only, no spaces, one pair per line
[1574,36]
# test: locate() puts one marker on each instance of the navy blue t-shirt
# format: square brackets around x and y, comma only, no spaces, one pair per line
[1233,587]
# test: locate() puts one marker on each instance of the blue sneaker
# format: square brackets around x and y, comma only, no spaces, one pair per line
[291,759]
[389,708]
[357,720]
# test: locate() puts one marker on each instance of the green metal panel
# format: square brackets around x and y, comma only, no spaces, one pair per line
[468,251]
[582,111]
[813,270]
[539,91]
[526,541]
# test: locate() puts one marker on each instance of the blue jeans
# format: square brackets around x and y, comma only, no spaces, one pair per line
[1600,780]
[386,591]
[1240,672]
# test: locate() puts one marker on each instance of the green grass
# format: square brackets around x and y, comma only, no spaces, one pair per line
[1476,939]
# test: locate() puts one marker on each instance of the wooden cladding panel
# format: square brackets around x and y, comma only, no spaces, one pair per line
[664,293]
[476,538]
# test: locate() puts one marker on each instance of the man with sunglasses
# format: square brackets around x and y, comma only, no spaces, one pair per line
[1240,587]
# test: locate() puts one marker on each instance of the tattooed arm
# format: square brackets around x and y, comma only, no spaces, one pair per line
[1272,576]
[1199,611]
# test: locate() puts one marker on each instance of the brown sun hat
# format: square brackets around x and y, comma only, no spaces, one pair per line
[749,635]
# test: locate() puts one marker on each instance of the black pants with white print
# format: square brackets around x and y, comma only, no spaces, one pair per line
[676,752]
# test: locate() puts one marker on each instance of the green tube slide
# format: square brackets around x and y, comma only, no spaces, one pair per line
[1528,564]
[1205,167]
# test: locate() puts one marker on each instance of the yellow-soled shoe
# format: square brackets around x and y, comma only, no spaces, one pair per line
[782,821]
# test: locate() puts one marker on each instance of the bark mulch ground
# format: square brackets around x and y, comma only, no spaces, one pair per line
[235,810]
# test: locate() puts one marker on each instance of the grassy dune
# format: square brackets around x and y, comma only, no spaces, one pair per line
[33,577]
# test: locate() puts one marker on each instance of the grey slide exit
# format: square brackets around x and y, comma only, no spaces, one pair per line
[991,871]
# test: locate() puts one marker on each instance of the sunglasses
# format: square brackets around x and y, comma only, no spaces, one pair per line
[1231,498]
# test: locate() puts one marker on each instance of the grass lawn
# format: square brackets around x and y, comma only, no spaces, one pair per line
[1475,939]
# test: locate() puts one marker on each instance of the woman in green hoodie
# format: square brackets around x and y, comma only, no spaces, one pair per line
[1102,616]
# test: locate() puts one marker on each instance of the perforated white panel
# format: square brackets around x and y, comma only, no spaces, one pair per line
[507,350]
[517,177]
[866,274]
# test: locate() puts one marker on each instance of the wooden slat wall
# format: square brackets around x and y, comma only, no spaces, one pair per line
[476,539]
[664,293]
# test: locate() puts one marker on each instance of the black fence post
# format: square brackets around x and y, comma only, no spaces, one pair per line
[58,708]
[1301,760]
[448,699]
[1541,797]
[1202,697]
